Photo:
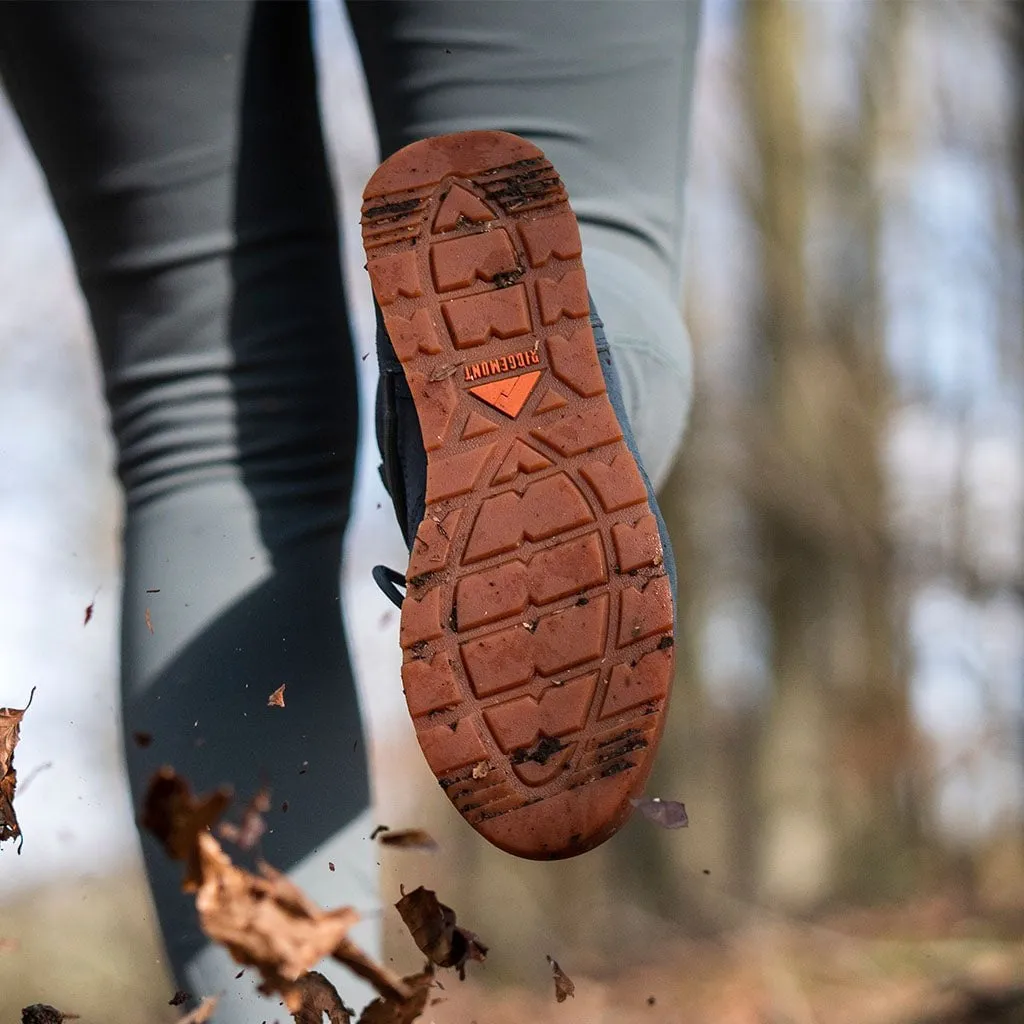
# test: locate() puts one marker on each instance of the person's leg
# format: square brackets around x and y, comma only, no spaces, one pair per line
[604,89]
[182,146]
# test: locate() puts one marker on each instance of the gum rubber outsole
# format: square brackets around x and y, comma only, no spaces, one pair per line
[537,629]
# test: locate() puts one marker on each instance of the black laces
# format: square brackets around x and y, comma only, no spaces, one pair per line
[389,581]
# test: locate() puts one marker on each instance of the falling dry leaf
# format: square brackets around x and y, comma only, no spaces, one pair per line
[149,621]
[265,922]
[434,930]
[401,1011]
[179,997]
[564,987]
[142,739]
[88,613]
[250,831]
[177,818]
[409,839]
[276,699]
[202,1013]
[377,831]
[330,865]
[10,732]
[666,813]
[40,1013]
[318,997]
[382,978]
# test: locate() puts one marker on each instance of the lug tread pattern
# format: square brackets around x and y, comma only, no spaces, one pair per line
[537,628]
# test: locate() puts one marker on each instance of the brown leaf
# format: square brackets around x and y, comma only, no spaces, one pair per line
[665,813]
[382,978]
[434,930]
[377,831]
[401,1011]
[179,997]
[265,922]
[142,739]
[10,733]
[564,986]
[88,612]
[319,996]
[276,699]
[149,621]
[177,818]
[41,1013]
[249,832]
[409,839]
[202,1013]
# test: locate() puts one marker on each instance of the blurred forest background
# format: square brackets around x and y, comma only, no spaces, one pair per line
[848,517]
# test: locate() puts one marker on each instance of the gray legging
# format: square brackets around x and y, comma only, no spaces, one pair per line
[182,146]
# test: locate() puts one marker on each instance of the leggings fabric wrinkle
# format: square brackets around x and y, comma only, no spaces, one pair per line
[612,115]
[182,145]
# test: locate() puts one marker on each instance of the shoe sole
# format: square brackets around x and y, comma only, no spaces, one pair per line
[537,629]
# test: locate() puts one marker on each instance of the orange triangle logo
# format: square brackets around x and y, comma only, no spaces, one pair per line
[460,203]
[508,395]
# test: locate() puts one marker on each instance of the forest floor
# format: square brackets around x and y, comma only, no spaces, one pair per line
[88,947]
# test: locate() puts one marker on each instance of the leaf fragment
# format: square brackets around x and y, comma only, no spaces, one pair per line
[43,1013]
[252,826]
[265,922]
[319,996]
[276,699]
[409,839]
[177,818]
[10,733]
[664,813]
[564,985]
[401,1011]
[435,932]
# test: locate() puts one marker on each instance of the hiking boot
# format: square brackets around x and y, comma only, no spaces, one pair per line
[537,621]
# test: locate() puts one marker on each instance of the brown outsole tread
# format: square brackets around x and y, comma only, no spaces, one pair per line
[537,630]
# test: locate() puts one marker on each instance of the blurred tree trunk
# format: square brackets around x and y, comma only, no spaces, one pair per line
[797,843]
[836,739]
[1014,13]
[874,741]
